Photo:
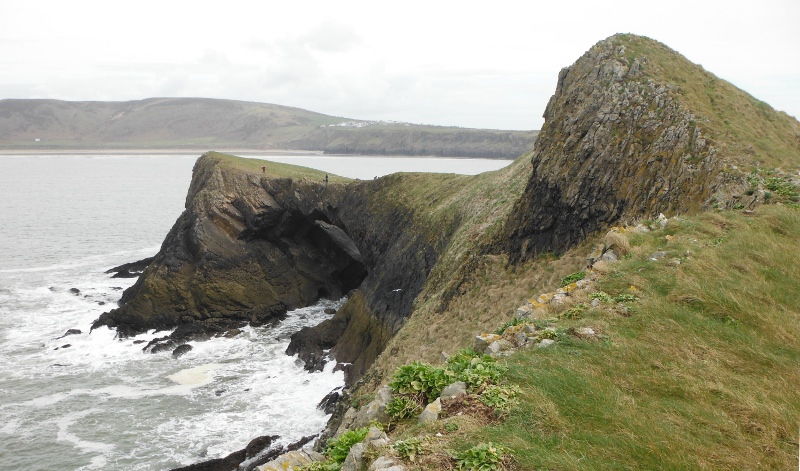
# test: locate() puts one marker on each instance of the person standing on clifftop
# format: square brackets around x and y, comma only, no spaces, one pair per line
[264,169]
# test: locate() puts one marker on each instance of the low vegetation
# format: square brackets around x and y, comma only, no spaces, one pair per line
[687,371]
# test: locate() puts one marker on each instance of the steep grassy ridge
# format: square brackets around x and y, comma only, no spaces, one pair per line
[699,373]
[744,129]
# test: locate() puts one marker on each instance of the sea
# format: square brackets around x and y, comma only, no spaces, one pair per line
[89,400]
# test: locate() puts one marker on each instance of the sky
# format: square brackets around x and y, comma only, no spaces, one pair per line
[489,64]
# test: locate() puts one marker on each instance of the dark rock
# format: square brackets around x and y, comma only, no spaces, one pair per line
[220,392]
[181,350]
[130,270]
[70,332]
[75,291]
[102,303]
[604,154]
[137,342]
[330,310]
[66,345]
[161,344]
[256,453]
[328,403]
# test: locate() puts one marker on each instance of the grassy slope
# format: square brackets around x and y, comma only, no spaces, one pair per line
[701,375]
[275,168]
[745,130]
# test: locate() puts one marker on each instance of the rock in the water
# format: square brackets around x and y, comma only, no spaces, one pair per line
[330,310]
[181,350]
[70,332]
[328,403]
[75,291]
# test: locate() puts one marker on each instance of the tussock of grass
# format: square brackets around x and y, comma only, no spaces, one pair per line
[702,375]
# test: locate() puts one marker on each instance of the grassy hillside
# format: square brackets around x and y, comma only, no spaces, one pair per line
[202,124]
[744,129]
[697,373]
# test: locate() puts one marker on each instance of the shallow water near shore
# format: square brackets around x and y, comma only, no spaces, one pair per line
[90,401]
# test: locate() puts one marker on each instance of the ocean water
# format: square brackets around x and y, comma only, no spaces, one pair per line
[91,401]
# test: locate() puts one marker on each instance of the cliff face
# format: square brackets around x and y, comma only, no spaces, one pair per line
[250,246]
[616,144]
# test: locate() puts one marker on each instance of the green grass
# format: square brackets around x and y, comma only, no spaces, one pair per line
[274,168]
[745,130]
[702,375]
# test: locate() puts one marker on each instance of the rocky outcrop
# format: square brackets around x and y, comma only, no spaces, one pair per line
[248,247]
[616,144]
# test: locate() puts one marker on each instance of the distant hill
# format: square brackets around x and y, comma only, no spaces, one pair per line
[203,123]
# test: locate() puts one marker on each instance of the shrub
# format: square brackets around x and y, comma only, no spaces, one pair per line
[601,295]
[337,448]
[500,398]
[420,379]
[475,369]
[483,457]
[409,449]
[577,276]
[403,407]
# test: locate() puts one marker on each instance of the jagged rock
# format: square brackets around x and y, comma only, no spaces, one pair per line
[452,391]
[610,256]
[130,270]
[376,438]
[355,458]
[70,332]
[330,310]
[615,144]
[181,350]
[431,412]
[375,410]
[482,341]
[328,403]
[75,291]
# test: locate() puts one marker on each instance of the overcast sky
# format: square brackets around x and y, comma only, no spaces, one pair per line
[489,64]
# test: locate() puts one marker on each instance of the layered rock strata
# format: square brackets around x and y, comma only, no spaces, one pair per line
[249,247]
[615,145]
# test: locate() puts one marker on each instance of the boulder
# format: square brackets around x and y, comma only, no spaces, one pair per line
[544,343]
[355,458]
[383,463]
[483,340]
[431,412]
[70,332]
[181,350]
[452,391]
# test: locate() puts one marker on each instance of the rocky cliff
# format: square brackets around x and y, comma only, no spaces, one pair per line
[250,246]
[629,134]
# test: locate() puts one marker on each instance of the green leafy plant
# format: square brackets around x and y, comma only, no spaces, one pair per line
[403,407]
[410,449]
[546,334]
[602,296]
[500,398]
[624,298]
[420,379]
[483,457]
[574,277]
[450,427]
[574,312]
[337,448]
[475,369]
